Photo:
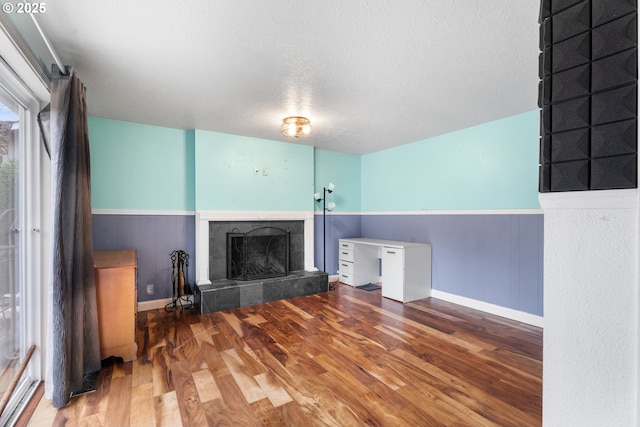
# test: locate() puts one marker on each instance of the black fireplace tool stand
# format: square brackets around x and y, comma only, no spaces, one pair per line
[180,281]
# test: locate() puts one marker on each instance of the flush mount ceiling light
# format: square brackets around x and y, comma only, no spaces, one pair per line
[295,127]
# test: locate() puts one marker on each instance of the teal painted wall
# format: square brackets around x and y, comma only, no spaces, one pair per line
[489,166]
[141,167]
[225,178]
[343,170]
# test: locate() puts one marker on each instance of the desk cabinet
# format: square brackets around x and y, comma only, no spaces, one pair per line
[392,273]
[357,264]
[406,272]
[403,268]
[117,297]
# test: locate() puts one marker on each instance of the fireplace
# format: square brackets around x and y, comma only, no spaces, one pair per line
[212,227]
[214,291]
[259,253]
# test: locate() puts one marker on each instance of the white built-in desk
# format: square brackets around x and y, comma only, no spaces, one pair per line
[403,268]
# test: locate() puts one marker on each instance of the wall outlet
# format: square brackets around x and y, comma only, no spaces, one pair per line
[150,289]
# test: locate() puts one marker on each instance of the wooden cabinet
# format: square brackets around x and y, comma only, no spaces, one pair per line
[116,292]
[403,268]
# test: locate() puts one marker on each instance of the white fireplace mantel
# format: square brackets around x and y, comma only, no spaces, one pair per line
[202,234]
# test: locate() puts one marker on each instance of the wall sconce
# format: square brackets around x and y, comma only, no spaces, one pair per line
[295,127]
[325,207]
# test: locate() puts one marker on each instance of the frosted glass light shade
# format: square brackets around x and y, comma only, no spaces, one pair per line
[295,127]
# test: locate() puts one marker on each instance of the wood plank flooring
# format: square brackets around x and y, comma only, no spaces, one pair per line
[345,358]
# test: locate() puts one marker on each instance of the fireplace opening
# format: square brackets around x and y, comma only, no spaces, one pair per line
[260,253]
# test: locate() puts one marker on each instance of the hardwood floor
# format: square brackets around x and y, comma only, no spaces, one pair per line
[345,358]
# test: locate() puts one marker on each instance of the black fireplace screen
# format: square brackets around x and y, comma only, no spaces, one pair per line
[258,254]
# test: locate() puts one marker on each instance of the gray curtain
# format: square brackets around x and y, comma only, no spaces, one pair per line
[73,341]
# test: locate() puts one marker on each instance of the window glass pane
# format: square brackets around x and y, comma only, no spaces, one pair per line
[10,313]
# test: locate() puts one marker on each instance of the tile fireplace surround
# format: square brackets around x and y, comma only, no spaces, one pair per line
[213,292]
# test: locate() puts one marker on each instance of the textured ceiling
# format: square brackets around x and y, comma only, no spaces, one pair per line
[369,74]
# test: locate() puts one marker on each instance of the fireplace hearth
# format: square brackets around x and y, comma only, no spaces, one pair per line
[227,294]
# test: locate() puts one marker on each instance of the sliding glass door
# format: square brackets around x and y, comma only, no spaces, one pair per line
[11,344]
[19,247]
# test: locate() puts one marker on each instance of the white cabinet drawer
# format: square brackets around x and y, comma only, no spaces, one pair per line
[345,255]
[345,267]
[346,278]
[345,245]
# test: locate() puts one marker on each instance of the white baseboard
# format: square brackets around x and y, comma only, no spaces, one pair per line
[159,303]
[509,313]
